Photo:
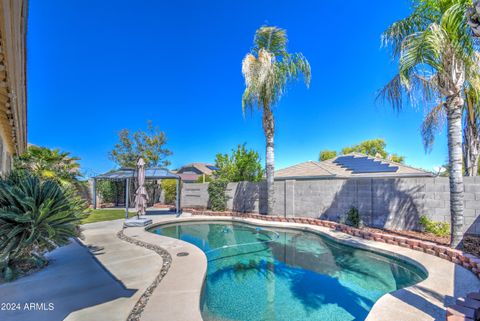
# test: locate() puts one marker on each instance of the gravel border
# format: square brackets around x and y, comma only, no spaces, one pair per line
[137,310]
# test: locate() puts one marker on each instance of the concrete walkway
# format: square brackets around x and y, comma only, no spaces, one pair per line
[101,279]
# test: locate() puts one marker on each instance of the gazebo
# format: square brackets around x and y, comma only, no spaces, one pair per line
[129,174]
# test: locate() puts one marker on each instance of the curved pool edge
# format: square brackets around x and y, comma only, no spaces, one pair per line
[425,300]
[178,295]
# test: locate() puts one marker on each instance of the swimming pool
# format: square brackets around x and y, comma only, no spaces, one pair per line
[286,274]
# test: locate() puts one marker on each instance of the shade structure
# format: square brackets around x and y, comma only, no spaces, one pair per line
[128,174]
[141,195]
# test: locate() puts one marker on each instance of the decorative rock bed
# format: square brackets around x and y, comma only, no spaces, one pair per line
[464,259]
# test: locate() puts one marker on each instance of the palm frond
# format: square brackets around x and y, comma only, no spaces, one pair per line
[432,124]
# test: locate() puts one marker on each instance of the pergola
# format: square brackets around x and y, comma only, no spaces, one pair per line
[129,174]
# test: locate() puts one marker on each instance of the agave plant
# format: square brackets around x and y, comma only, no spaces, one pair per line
[35,216]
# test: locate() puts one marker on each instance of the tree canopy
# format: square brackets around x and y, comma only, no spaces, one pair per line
[371,147]
[327,154]
[240,165]
[51,164]
[149,144]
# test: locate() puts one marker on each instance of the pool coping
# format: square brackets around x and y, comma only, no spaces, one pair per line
[426,300]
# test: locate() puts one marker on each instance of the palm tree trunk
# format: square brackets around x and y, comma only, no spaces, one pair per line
[471,151]
[454,122]
[471,142]
[268,126]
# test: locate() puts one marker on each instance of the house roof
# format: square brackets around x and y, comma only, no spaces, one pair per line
[188,176]
[205,168]
[348,166]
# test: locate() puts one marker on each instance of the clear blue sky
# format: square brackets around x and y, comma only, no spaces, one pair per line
[95,67]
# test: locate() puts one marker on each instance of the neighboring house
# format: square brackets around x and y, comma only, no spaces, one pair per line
[190,173]
[13,108]
[349,166]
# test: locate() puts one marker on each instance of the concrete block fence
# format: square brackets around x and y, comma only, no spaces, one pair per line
[464,259]
[393,203]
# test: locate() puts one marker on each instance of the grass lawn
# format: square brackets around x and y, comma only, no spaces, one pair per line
[101,215]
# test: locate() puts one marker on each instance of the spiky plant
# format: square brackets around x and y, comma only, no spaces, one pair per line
[436,61]
[267,70]
[35,216]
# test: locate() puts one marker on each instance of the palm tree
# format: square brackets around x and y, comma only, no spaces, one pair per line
[434,122]
[267,70]
[437,62]
[50,164]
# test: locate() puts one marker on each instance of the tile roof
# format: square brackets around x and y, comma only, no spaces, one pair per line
[189,177]
[350,165]
[202,167]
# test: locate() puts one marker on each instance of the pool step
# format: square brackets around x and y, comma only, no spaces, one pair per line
[460,311]
[469,303]
[465,309]
[458,318]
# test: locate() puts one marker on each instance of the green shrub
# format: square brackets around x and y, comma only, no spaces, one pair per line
[108,190]
[169,187]
[202,179]
[35,216]
[352,218]
[436,228]
[216,194]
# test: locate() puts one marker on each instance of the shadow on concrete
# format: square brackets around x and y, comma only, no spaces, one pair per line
[420,301]
[73,280]
[160,212]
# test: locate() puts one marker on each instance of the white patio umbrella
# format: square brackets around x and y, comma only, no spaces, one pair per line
[141,196]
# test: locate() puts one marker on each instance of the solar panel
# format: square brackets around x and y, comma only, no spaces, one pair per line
[213,168]
[360,165]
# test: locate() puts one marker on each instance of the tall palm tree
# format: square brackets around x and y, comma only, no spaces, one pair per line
[437,62]
[267,70]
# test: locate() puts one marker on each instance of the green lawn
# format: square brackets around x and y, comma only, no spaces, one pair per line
[101,215]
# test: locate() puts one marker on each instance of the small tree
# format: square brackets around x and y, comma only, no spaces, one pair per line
[216,194]
[149,144]
[327,154]
[370,147]
[240,165]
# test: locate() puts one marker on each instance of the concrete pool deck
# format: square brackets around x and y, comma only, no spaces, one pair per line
[105,277]
[424,301]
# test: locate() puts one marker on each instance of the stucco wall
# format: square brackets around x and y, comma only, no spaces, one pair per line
[395,203]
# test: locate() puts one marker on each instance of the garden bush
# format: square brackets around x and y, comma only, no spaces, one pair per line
[352,218]
[108,190]
[216,194]
[169,187]
[436,228]
[35,216]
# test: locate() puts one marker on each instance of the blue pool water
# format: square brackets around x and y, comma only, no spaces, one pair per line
[278,274]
